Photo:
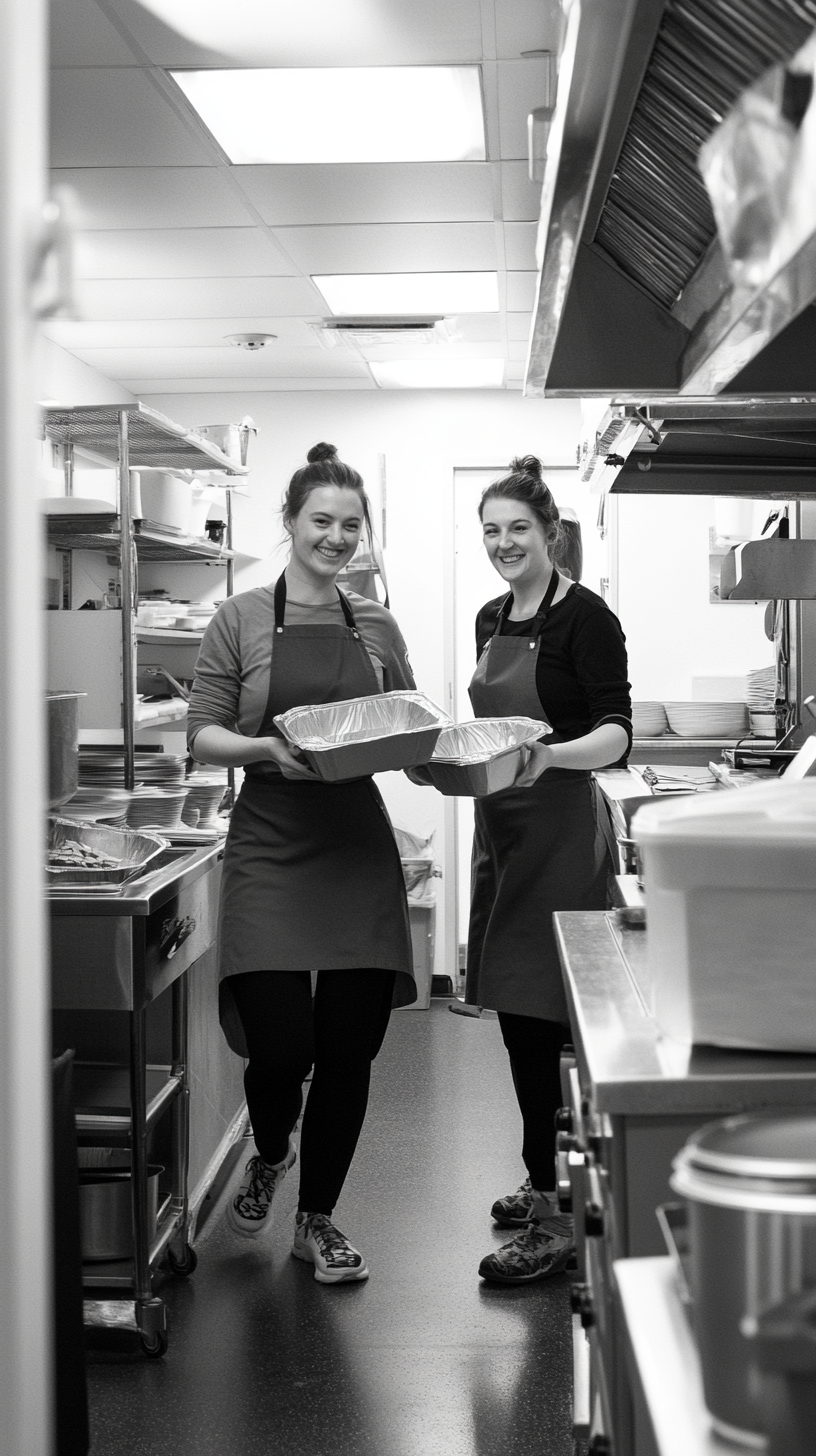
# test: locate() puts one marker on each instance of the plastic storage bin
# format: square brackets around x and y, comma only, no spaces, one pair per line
[730,884]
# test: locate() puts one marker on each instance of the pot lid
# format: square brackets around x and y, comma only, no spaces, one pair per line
[776,1147]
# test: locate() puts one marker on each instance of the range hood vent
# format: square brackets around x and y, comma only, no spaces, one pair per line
[657,221]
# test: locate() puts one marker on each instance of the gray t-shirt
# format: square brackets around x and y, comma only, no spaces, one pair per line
[232,672]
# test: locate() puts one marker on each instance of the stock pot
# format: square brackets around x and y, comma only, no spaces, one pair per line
[750,1185]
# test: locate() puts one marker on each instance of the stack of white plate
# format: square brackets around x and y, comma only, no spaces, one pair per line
[160,768]
[648,720]
[203,797]
[94,805]
[761,688]
[707,720]
[157,808]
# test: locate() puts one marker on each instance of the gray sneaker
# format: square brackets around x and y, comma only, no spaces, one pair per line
[516,1210]
[249,1210]
[318,1242]
[539,1250]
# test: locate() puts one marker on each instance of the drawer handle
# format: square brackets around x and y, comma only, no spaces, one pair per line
[174,934]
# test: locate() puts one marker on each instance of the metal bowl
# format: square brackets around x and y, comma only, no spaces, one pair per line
[133,851]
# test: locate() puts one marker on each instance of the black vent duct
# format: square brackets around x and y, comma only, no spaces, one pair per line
[657,221]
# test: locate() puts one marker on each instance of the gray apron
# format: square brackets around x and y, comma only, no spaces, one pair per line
[312,877]
[535,850]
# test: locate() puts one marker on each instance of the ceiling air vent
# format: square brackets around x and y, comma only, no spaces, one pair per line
[373,333]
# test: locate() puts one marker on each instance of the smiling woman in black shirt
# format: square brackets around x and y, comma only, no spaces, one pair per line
[552,650]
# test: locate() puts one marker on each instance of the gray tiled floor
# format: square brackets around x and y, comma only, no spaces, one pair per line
[424,1359]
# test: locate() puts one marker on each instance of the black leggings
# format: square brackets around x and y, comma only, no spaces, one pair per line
[339,1034]
[534,1047]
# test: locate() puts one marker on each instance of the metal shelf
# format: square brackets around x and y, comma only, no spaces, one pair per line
[102,533]
[153,440]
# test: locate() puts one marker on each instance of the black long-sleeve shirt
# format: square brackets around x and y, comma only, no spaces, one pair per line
[581,670]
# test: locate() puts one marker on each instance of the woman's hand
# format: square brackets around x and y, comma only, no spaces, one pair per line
[278,751]
[540,757]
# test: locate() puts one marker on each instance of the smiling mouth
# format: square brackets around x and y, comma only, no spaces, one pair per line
[511,560]
[331,554]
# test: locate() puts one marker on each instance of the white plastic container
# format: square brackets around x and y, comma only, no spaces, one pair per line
[166,500]
[730,882]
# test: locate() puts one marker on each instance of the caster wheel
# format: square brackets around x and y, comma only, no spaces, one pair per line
[187,1264]
[154,1346]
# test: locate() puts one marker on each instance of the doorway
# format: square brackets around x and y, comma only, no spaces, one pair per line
[474,583]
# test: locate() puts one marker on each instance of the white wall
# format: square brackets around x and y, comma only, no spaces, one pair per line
[66,380]
[673,631]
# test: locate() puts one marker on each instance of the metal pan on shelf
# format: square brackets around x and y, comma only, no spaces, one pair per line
[132,852]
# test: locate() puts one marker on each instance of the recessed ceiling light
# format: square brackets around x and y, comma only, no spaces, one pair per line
[341,114]
[439,374]
[409,293]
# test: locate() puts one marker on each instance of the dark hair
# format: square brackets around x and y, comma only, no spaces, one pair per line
[525,484]
[324,468]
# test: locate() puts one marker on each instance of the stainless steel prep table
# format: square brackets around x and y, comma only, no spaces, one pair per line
[119,951]
[635,1097]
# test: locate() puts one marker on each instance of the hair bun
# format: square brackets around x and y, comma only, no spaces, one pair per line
[321,451]
[527,465]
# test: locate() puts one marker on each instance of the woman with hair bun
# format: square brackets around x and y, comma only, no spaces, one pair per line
[312,879]
[552,650]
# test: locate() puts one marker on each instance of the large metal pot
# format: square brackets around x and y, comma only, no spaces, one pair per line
[63,745]
[750,1183]
[105,1211]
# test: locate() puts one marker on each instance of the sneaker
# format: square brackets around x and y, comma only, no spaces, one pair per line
[318,1242]
[516,1210]
[539,1250]
[248,1212]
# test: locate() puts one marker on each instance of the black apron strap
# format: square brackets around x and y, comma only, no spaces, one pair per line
[541,614]
[280,607]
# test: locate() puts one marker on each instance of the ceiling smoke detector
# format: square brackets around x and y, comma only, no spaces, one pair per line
[251,342]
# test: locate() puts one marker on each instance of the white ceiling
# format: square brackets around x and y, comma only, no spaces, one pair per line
[176,249]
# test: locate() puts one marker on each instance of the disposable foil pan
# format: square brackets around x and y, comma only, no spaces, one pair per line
[363,736]
[479,758]
[133,850]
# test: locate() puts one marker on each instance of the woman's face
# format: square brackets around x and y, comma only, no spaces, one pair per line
[326,531]
[515,541]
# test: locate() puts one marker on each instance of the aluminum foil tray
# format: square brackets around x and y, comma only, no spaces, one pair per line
[363,736]
[132,849]
[474,759]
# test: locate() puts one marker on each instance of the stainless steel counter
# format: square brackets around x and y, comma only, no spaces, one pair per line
[630,1067]
[119,951]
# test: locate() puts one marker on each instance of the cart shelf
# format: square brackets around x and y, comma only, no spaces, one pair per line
[102,1098]
[153,440]
[100,532]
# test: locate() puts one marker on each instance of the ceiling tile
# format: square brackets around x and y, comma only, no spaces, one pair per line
[519,245]
[407,192]
[227,363]
[521,289]
[312,33]
[518,325]
[479,327]
[80,35]
[521,198]
[162,298]
[152,197]
[154,389]
[180,253]
[522,86]
[175,332]
[117,117]
[517,350]
[526,25]
[392,248]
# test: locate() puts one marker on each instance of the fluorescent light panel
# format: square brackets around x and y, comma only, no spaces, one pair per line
[439,374]
[343,114]
[409,293]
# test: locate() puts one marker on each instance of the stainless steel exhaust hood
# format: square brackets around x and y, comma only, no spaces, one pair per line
[634,298]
